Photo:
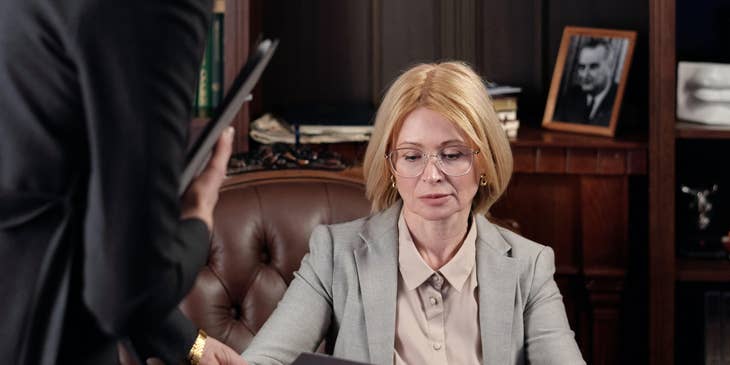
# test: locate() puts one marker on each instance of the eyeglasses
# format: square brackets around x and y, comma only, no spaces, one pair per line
[451,160]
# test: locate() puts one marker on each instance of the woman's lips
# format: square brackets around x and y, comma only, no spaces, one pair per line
[434,198]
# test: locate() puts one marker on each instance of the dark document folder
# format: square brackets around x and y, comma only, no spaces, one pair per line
[307,358]
[200,150]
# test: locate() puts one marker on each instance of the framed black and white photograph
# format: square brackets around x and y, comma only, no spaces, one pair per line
[589,80]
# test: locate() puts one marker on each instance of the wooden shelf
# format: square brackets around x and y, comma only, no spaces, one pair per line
[529,136]
[701,270]
[686,130]
[542,151]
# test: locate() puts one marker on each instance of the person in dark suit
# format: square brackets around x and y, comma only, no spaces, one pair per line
[591,100]
[95,244]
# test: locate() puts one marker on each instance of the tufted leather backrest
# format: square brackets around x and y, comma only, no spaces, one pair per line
[261,232]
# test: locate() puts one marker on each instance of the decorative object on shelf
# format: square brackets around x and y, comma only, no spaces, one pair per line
[589,80]
[703,92]
[282,156]
[700,235]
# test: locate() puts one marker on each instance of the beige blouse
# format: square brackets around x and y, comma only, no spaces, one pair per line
[437,313]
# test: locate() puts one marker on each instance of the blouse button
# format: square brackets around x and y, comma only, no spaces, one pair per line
[433,300]
[437,346]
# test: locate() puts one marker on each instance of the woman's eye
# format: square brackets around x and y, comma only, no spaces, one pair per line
[411,158]
[451,155]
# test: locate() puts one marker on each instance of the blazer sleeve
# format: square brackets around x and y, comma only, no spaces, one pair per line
[302,318]
[137,64]
[169,339]
[549,339]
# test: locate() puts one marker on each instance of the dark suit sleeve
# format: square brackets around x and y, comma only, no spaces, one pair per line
[169,340]
[137,62]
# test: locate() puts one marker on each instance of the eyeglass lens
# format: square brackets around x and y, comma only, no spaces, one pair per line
[411,162]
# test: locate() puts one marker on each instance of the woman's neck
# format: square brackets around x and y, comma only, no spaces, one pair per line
[437,241]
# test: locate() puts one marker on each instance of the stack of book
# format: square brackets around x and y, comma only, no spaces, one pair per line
[717,328]
[209,92]
[504,99]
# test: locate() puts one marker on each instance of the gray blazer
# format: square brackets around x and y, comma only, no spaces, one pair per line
[345,291]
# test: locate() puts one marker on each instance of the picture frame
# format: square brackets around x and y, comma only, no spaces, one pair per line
[589,80]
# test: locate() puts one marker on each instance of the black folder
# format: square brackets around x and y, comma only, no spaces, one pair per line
[239,92]
[308,358]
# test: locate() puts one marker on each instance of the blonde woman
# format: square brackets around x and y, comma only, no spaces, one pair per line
[426,279]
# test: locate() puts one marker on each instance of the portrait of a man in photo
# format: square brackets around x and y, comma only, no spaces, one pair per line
[588,92]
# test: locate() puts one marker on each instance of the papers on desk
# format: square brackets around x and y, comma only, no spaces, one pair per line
[268,129]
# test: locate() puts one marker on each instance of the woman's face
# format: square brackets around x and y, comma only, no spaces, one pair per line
[434,195]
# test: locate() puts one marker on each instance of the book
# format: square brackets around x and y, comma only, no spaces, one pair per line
[204,104]
[216,55]
[507,115]
[505,106]
[495,89]
[504,103]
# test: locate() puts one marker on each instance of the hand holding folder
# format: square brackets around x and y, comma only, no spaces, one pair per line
[238,94]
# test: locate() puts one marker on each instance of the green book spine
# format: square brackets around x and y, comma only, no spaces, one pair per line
[195,99]
[204,101]
[216,69]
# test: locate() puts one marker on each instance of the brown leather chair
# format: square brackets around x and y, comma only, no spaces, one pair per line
[263,221]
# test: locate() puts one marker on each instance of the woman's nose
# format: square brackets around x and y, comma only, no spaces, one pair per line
[432,172]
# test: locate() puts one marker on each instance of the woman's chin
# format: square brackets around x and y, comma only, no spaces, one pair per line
[436,212]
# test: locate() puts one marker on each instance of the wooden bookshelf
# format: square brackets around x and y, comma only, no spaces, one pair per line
[686,130]
[676,149]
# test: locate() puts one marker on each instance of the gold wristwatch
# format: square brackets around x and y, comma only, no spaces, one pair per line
[196,352]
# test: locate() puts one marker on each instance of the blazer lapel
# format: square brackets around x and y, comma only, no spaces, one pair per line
[377,267]
[497,278]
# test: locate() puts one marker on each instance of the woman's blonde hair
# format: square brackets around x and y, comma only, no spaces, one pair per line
[455,91]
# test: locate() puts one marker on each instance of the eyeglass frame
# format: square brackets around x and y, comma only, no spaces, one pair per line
[439,165]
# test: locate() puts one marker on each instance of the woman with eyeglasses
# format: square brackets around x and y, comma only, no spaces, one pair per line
[426,279]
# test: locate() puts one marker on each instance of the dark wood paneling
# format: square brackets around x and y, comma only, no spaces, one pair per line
[573,291]
[604,203]
[550,160]
[547,209]
[612,161]
[661,182]
[458,29]
[582,161]
[325,52]
[524,159]
[236,46]
[637,162]
[409,34]
[509,32]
